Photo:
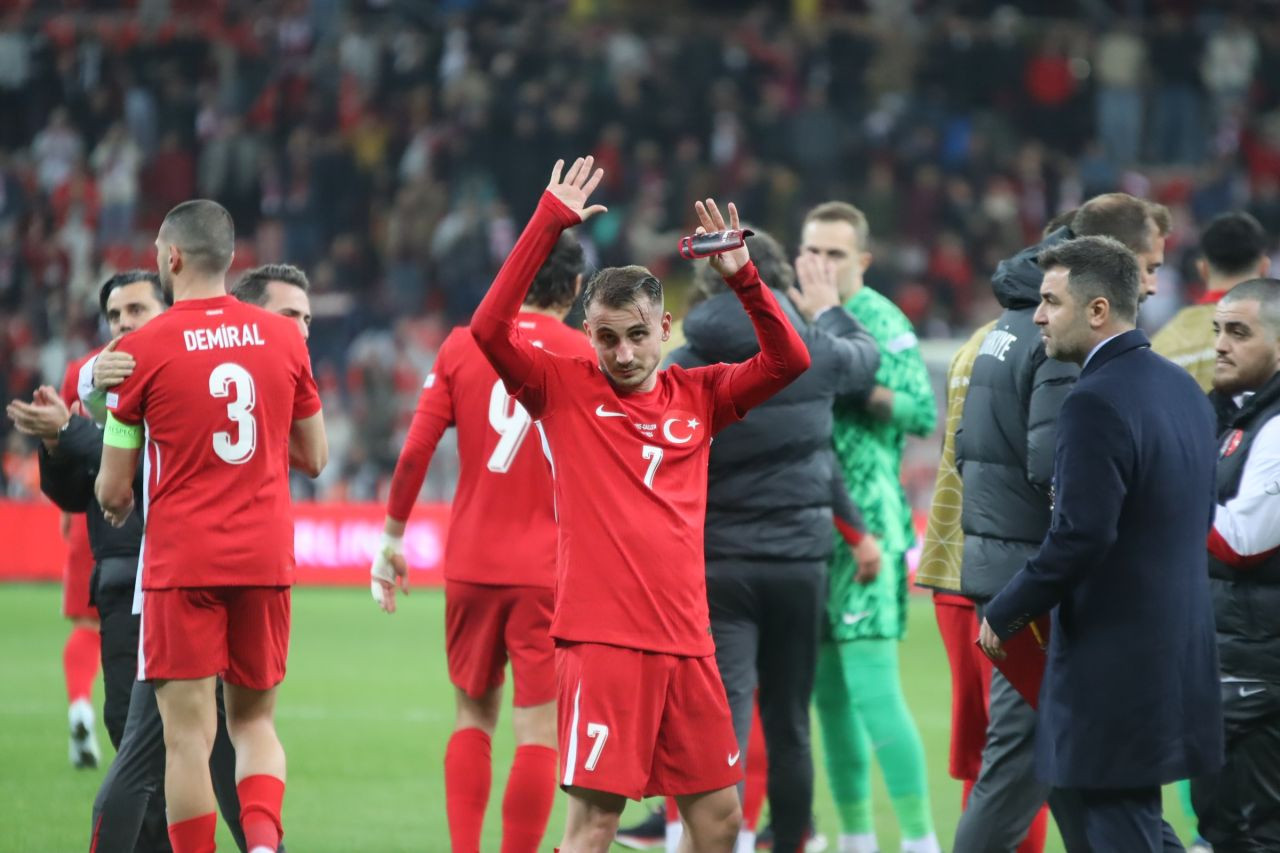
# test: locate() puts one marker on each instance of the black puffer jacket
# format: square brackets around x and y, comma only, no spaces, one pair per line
[770,493]
[67,476]
[1005,444]
[1246,602]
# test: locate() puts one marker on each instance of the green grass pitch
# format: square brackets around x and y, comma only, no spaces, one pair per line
[364,714]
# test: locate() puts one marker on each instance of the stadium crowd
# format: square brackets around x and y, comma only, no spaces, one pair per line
[1084,167]
[386,148]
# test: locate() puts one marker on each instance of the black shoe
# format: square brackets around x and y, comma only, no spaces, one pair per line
[816,843]
[647,834]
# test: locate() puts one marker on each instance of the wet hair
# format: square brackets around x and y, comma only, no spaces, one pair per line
[771,261]
[1098,267]
[842,211]
[618,287]
[1233,243]
[1264,291]
[252,285]
[1122,217]
[556,282]
[128,277]
[203,231]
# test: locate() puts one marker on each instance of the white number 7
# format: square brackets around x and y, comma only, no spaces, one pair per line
[599,733]
[654,455]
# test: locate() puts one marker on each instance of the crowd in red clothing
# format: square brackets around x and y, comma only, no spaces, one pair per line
[388,148]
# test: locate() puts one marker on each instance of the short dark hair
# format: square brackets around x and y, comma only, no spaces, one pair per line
[842,211]
[1098,266]
[618,287]
[127,277]
[251,287]
[203,231]
[556,282]
[1233,243]
[1264,291]
[766,253]
[1122,217]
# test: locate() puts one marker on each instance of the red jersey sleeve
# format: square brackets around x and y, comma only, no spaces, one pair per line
[125,400]
[432,417]
[521,366]
[71,382]
[306,397]
[738,388]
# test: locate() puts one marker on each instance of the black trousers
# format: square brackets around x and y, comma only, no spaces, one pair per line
[1117,820]
[128,812]
[1239,807]
[118,627]
[766,617]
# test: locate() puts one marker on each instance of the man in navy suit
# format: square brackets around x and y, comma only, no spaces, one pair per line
[1130,697]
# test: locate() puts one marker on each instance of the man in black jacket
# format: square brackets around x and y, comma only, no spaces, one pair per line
[1005,453]
[68,456]
[1239,807]
[770,526]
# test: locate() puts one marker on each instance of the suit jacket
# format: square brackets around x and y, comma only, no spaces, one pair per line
[1130,695]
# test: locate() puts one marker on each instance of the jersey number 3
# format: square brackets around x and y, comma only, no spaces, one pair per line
[232,380]
[511,422]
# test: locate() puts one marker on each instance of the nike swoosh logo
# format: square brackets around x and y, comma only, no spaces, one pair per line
[602,413]
[733,759]
[854,618]
[1245,694]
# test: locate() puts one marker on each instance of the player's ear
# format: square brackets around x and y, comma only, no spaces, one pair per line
[666,326]
[864,260]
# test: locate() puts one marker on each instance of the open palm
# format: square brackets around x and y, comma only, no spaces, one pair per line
[726,263]
[576,186]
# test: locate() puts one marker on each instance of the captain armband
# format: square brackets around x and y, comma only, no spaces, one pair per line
[122,435]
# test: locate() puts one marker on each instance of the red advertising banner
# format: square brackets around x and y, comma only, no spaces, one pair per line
[333,543]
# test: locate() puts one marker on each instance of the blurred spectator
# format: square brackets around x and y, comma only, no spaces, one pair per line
[117,161]
[387,148]
[1119,64]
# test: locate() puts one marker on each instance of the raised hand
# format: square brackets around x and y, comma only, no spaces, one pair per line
[111,368]
[815,289]
[576,186]
[727,263]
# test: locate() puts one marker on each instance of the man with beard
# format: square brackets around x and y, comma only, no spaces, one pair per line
[1239,807]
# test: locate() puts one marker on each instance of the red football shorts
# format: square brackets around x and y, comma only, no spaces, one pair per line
[77,573]
[970,683]
[641,724]
[238,632]
[485,625]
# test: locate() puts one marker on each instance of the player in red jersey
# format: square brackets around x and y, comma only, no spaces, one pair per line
[640,704]
[81,654]
[499,565]
[225,394]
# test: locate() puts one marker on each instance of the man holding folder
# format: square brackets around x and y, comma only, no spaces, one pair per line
[1130,694]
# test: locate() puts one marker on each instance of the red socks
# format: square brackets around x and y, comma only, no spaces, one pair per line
[261,799]
[81,657]
[467,776]
[526,805]
[194,835]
